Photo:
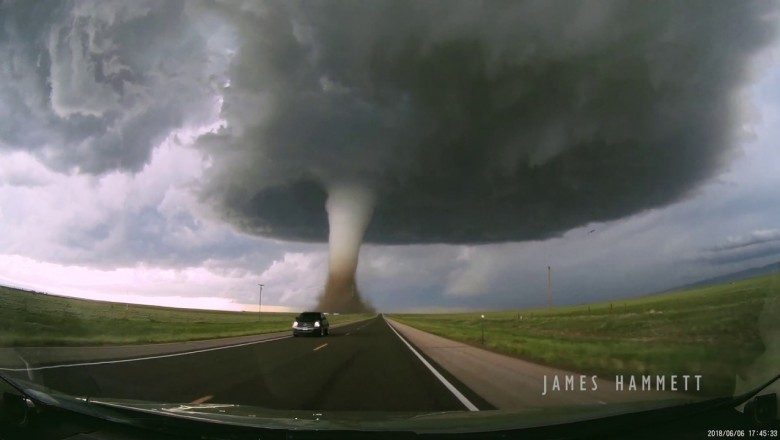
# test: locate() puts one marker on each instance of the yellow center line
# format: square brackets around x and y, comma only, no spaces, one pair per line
[202,399]
[321,346]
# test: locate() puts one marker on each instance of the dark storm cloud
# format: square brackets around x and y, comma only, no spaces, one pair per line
[469,122]
[477,122]
[95,86]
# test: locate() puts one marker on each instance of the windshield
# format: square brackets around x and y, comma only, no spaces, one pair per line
[467,207]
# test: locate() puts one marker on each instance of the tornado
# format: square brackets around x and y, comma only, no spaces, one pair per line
[349,208]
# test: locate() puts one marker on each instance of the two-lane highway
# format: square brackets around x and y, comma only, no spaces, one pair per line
[364,366]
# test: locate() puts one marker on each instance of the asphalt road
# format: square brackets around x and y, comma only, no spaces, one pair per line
[364,366]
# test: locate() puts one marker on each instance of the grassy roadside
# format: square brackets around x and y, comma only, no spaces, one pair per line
[714,331]
[35,319]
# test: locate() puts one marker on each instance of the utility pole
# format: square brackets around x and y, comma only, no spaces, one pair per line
[482,338]
[549,287]
[260,301]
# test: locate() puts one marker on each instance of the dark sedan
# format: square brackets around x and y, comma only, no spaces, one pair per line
[311,323]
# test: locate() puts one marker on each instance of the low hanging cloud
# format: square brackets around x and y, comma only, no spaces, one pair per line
[757,244]
[753,238]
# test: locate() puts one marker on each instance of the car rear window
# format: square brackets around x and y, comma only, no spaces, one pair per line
[309,316]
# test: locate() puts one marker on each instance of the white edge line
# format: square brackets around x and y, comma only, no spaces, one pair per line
[118,361]
[470,406]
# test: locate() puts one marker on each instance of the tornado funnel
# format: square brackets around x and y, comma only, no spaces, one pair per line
[349,212]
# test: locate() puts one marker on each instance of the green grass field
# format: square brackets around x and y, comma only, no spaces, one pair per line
[34,319]
[713,331]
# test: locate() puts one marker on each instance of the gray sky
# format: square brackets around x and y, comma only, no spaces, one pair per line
[179,154]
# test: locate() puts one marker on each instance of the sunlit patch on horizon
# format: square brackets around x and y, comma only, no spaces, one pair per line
[181,288]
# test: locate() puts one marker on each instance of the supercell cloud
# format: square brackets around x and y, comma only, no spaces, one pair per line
[473,122]
[399,121]
[477,122]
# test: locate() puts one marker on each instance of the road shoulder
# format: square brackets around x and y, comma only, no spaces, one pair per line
[510,383]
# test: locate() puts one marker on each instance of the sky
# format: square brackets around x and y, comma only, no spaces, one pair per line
[179,154]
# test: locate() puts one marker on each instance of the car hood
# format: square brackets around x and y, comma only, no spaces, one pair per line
[421,422]
[128,411]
